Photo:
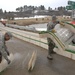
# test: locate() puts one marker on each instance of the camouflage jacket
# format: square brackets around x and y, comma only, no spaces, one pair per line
[3,48]
[51,25]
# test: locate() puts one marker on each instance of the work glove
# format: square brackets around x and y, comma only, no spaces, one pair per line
[62,24]
[9,61]
[53,31]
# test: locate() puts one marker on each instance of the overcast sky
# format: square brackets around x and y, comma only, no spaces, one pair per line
[11,5]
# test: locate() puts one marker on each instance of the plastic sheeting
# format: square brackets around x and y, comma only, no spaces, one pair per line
[63,33]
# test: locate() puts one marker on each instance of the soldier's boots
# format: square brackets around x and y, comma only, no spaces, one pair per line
[49,57]
[53,52]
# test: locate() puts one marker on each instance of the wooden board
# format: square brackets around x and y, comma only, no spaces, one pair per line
[32,61]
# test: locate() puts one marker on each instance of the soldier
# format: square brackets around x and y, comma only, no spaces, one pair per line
[3,49]
[51,44]
[73,22]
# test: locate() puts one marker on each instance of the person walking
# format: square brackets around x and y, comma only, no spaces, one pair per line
[51,44]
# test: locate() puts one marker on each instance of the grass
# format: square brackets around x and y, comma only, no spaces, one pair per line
[29,21]
[25,22]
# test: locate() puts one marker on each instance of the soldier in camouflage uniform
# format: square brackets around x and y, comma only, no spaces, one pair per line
[3,49]
[51,44]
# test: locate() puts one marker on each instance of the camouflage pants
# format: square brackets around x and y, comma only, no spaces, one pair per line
[51,45]
[0,57]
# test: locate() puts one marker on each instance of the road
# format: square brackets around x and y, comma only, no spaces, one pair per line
[22,51]
[33,27]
